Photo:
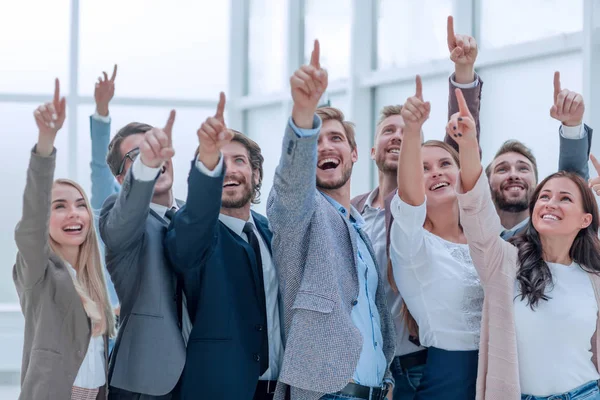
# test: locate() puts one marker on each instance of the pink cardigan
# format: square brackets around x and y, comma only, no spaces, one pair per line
[496,263]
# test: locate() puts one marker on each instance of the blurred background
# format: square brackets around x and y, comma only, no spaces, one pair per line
[181,53]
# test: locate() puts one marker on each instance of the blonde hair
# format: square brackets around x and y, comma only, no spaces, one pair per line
[89,283]
[388,111]
[335,114]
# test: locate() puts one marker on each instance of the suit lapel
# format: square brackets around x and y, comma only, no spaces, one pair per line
[262,226]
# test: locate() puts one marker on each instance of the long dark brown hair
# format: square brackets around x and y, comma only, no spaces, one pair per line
[534,275]
[409,321]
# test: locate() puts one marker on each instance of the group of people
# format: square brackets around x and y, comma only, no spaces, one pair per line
[447,281]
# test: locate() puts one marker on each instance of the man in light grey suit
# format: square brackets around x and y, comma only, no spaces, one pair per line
[339,335]
[149,353]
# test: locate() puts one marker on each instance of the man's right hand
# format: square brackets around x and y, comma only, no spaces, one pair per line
[157,146]
[415,111]
[463,53]
[308,84]
[104,92]
[213,135]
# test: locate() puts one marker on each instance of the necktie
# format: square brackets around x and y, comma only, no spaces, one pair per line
[264,349]
[170,213]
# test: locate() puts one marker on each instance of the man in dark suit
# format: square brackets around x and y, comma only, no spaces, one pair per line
[222,252]
[149,353]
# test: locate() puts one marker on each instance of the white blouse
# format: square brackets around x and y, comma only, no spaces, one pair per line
[91,374]
[554,341]
[437,280]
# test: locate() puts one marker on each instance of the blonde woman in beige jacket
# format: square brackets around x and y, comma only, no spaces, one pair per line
[59,279]
[539,328]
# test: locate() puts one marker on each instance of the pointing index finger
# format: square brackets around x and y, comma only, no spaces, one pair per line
[56,92]
[220,107]
[556,85]
[463,108]
[168,129]
[315,57]
[419,91]
[450,33]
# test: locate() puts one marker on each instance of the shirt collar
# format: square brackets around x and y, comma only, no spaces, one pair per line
[236,224]
[161,210]
[369,201]
[519,225]
[355,216]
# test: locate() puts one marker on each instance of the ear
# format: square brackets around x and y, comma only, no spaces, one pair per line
[255,177]
[373,153]
[354,155]
[586,220]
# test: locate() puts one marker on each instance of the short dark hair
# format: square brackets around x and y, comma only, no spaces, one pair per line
[332,113]
[256,160]
[114,157]
[514,146]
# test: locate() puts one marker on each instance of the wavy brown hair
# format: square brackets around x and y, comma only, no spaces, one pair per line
[409,321]
[534,275]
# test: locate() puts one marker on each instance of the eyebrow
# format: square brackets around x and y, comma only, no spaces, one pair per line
[561,192]
[64,201]
[444,159]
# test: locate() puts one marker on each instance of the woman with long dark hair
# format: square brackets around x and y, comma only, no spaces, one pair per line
[59,279]
[539,331]
[431,262]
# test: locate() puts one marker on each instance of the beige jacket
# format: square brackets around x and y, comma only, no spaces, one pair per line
[57,329]
[496,263]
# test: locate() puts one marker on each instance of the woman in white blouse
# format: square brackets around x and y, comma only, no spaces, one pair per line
[431,261]
[59,279]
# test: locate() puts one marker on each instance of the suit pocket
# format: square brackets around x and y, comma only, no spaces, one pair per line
[313,302]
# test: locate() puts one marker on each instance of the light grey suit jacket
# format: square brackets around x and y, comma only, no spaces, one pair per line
[149,353]
[315,250]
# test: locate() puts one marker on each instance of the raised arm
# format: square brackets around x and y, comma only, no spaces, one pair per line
[31,233]
[463,53]
[191,234]
[478,217]
[415,112]
[123,216]
[294,190]
[103,181]
[575,139]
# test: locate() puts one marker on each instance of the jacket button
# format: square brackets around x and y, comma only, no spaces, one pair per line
[354,302]
[259,328]
[256,358]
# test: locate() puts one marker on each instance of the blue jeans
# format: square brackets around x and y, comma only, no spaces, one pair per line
[407,380]
[588,391]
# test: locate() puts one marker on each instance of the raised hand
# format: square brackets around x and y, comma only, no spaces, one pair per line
[213,135]
[308,84]
[461,125]
[49,118]
[157,146]
[463,53]
[594,183]
[415,111]
[568,106]
[104,92]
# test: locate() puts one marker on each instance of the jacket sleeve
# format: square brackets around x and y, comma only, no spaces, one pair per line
[103,181]
[574,154]
[473,98]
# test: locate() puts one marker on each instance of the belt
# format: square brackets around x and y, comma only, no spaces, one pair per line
[411,360]
[265,390]
[363,392]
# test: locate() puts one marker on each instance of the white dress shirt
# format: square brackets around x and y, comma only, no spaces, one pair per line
[375,227]
[271,282]
[437,280]
[554,341]
[91,374]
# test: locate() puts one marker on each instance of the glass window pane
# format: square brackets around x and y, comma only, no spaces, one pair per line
[529,20]
[163,48]
[187,122]
[266,47]
[20,135]
[34,45]
[340,101]
[401,40]
[329,21]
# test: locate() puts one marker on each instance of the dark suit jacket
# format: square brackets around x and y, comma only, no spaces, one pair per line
[149,353]
[220,280]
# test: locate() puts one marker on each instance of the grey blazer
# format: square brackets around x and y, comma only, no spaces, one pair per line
[57,329]
[149,353]
[315,250]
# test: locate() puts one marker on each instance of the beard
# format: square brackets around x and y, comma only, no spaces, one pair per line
[386,166]
[242,200]
[511,205]
[346,174]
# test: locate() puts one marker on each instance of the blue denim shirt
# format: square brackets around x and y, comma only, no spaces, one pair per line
[104,184]
[372,363]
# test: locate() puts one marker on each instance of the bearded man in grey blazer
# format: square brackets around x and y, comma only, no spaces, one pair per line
[339,335]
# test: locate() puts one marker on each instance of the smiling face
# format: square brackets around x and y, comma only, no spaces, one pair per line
[335,156]
[165,180]
[240,180]
[387,143]
[70,218]
[440,173]
[558,210]
[512,181]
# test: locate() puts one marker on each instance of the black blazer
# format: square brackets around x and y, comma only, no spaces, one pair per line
[220,280]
